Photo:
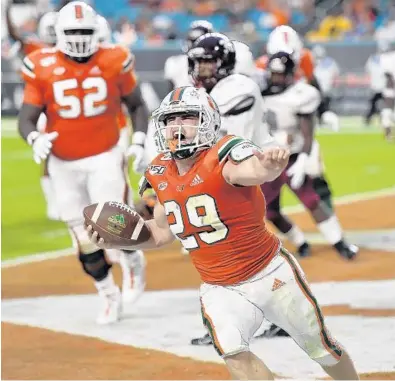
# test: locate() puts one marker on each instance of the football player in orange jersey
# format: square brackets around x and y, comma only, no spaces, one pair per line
[47,38]
[210,199]
[80,86]
[45,29]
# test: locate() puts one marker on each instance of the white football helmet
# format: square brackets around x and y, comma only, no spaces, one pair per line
[285,39]
[46,28]
[104,30]
[77,30]
[191,101]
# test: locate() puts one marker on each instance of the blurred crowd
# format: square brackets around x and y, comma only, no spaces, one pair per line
[155,22]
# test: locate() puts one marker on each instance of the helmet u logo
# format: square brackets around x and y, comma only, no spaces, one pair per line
[78,12]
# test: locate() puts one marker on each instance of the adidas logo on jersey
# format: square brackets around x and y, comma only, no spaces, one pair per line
[277,284]
[196,181]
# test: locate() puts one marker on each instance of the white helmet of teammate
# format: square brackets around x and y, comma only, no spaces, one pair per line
[104,30]
[285,39]
[186,101]
[77,30]
[46,28]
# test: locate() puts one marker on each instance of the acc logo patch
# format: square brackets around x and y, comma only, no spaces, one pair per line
[156,169]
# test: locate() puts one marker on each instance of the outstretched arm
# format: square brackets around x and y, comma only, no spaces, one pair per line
[259,168]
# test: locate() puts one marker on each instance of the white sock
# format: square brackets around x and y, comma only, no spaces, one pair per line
[107,285]
[133,269]
[331,230]
[296,236]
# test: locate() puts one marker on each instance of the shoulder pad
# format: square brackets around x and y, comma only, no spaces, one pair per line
[226,147]
[118,57]
[308,97]
[242,151]
[232,90]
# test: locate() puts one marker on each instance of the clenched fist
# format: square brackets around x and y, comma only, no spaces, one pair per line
[273,159]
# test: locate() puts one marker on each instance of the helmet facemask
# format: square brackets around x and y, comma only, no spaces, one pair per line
[80,44]
[183,140]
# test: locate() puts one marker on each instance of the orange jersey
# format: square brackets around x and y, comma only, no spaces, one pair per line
[30,45]
[304,70]
[221,225]
[82,102]
[122,120]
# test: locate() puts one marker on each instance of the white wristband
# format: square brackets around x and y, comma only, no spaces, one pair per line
[139,138]
[32,137]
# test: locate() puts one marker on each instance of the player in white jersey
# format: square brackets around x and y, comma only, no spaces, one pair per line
[325,71]
[388,112]
[212,62]
[291,106]
[377,81]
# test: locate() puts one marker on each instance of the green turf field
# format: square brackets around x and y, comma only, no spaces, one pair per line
[356,160]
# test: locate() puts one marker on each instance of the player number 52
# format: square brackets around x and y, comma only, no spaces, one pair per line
[72,106]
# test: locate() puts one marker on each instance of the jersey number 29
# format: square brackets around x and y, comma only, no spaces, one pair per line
[91,103]
[202,213]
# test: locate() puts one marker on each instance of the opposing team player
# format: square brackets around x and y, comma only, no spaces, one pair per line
[46,32]
[388,112]
[176,67]
[219,216]
[80,86]
[326,71]
[377,78]
[291,108]
[284,38]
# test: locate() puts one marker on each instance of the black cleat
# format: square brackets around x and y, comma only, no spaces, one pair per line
[347,251]
[273,331]
[204,340]
[304,250]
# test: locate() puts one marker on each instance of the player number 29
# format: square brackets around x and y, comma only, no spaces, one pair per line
[72,106]
[202,213]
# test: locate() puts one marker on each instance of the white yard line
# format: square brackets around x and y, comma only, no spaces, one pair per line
[36,257]
[39,257]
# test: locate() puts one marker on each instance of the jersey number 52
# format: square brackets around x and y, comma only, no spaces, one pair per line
[91,104]
[202,213]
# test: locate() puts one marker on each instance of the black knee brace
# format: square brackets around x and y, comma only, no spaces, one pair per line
[321,186]
[95,264]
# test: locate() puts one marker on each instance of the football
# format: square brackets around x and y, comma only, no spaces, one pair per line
[116,222]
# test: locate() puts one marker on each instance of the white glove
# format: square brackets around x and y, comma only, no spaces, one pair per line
[298,171]
[332,120]
[41,144]
[136,150]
